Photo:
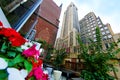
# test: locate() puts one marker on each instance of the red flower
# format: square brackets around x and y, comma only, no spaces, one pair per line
[17,41]
[38,63]
[1,25]
[14,37]
[45,76]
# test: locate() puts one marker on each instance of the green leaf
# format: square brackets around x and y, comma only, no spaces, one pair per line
[11,63]
[3,75]
[11,54]
[4,46]
[19,49]
[28,65]
[19,58]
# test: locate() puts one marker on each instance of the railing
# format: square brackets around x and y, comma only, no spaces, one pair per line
[74,66]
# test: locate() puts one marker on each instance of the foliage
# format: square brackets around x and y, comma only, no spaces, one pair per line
[96,60]
[60,56]
[48,49]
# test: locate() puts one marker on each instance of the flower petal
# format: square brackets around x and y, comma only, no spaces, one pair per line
[3,64]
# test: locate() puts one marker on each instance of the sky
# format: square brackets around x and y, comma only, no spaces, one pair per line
[107,10]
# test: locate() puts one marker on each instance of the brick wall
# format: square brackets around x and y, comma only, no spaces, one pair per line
[46,31]
[48,21]
[50,11]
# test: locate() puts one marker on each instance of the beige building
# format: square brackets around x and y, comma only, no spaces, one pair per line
[116,37]
[70,27]
[88,26]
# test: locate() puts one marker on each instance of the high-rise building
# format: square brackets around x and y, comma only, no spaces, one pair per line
[70,27]
[88,26]
[48,21]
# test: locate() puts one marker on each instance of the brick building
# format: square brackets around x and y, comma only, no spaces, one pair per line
[48,21]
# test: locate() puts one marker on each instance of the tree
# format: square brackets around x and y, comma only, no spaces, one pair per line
[59,58]
[96,60]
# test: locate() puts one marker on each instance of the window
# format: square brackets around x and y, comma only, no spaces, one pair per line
[95,40]
[93,28]
[100,25]
[105,37]
[103,33]
[94,36]
[109,36]
[91,25]
[93,21]
[94,25]
[99,22]
[89,33]
[93,32]
[105,28]
[107,32]
[89,30]
[101,29]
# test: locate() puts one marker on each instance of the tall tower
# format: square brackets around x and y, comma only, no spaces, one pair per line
[70,27]
[88,26]
[70,20]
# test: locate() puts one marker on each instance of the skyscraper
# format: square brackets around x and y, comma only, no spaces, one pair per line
[70,27]
[87,29]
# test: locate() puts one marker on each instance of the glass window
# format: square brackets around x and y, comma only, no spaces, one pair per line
[91,25]
[93,28]
[100,25]
[94,25]
[103,33]
[99,22]
[107,32]
[105,27]
[89,33]
[94,39]
[94,36]
[109,36]
[93,21]
[101,29]
[89,30]
[93,32]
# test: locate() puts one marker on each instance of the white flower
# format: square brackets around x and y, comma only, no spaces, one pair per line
[3,64]
[14,74]
[24,73]
[41,50]
[24,47]
[27,45]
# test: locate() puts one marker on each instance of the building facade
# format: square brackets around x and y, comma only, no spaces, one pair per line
[48,21]
[70,28]
[88,26]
